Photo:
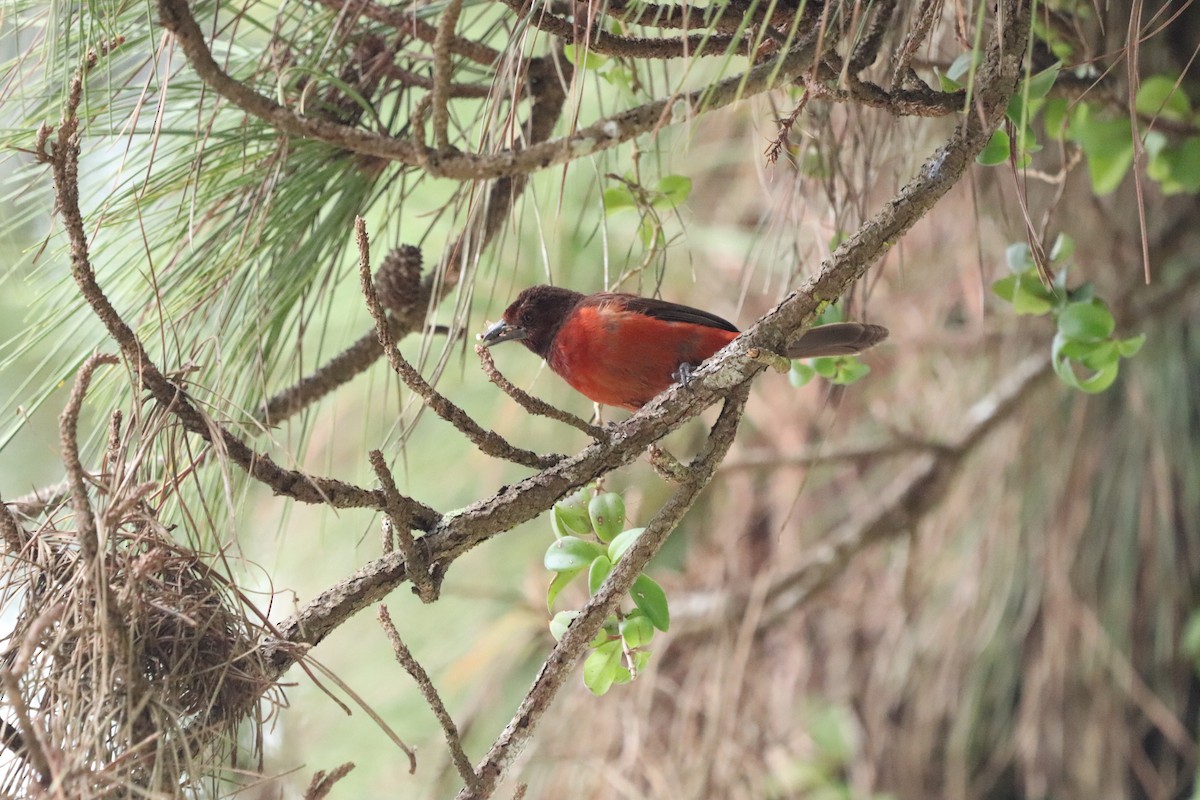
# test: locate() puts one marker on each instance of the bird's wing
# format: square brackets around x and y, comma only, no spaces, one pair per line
[660,309]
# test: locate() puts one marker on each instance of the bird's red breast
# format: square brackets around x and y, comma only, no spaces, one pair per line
[621,357]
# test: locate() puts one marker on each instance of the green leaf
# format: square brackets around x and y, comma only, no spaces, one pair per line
[570,553]
[560,581]
[652,600]
[1093,355]
[1040,84]
[1005,288]
[997,149]
[560,622]
[800,374]
[622,542]
[1160,96]
[849,371]
[1030,296]
[572,511]
[617,198]
[1088,321]
[1178,168]
[826,366]
[1128,348]
[637,630]
[590,60]
[1054,118]
[597,572]
[1108,145]
[1063,249]
[1019,258]
[962,65]
[607,514]
[600,668]
[674,190]
[1093,384]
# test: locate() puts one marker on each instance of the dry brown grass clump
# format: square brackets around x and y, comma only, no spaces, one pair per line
[129,670]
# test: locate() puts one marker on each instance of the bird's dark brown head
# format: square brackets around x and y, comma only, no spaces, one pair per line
[534,318]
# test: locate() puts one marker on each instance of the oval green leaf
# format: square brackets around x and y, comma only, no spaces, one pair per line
[560,581]
[560,622]
[652,600]
[597,572]
[607,513]
[570,553]
[997,149]
[622,542]
[600,668]
[1087,321]
[637,631]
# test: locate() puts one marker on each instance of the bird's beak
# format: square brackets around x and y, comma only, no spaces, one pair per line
[503,332]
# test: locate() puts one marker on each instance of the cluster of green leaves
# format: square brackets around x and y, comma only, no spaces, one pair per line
[1107,135]
[669,193]
[1018,135]
[842,370]
[589,537]
[1086,354]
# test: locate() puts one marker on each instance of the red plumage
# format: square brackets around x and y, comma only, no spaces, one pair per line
[622,350]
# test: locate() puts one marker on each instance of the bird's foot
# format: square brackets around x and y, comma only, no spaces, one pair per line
[683,375]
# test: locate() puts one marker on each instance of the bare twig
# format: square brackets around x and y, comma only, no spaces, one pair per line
[601,41]
[322,783]
[666,465]
[442,73]
[413,667]
[399,511]
[85,521]
[487,441]
[530,403]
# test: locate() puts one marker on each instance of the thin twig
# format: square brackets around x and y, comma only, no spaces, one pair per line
[85,520]
[488,442]
[442,66]
[413,667]
[530,403]
[322,783]
[399,511]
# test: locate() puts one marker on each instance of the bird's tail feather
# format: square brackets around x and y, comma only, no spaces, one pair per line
[838,339]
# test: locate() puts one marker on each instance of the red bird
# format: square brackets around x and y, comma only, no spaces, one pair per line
[622,350]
